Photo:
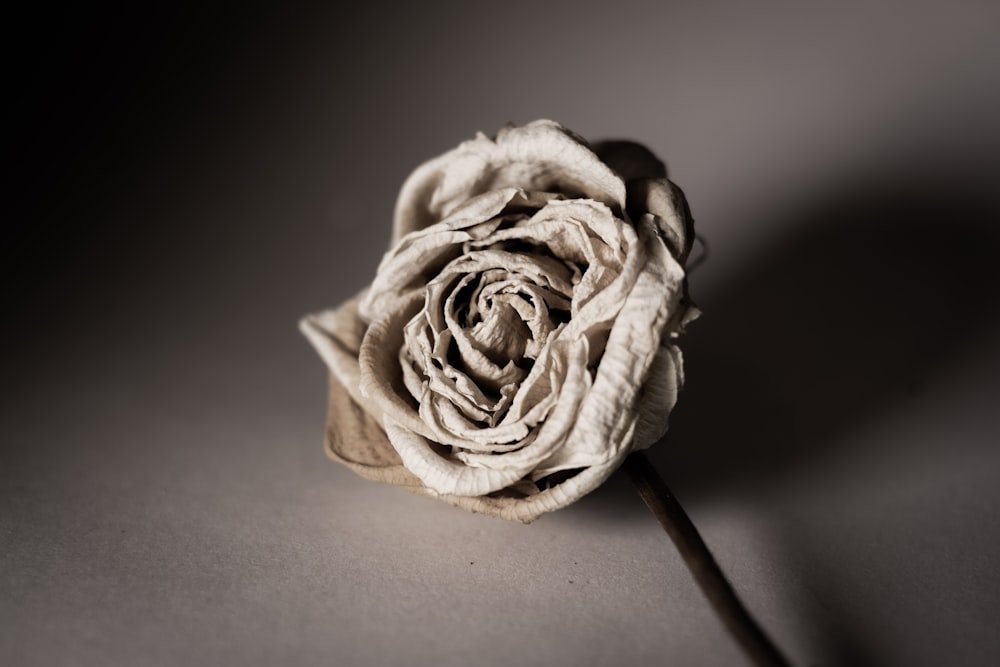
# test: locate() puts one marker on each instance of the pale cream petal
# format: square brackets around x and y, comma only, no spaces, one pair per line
[658,395]
[604,305]
[438,472]
[528,508]
[608,416]
[418,257]
[539,156]
[336,335]
[381,376]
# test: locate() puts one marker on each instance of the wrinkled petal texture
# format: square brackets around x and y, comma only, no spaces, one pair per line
[517,341]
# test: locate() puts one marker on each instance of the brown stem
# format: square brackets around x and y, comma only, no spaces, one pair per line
[699,560]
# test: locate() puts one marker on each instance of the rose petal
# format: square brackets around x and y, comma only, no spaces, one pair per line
[412,262]
[608,416]
[539,156]
[337,335]
[631,161]
[658,395]
[356,440]
[354,435]
[666,203]
[527,509]
[381,380]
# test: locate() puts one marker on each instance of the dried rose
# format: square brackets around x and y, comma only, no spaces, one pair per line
[517,342]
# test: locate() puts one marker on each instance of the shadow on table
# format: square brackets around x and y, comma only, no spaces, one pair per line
[874,289]
[858,309]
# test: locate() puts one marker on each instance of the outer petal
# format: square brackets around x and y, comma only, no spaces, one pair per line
[658,395]
[337,334]
[539,156]
[667,204]
[354,433]
[609,416]
[355,439]
[631,161]
[528,508]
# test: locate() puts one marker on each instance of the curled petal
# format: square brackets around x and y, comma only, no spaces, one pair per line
[539,156]
[665,202]
[608,417]
[337,335]
[658,395]
[354,434]
[381,381]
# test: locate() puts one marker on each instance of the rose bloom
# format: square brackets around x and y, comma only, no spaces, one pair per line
[518,340]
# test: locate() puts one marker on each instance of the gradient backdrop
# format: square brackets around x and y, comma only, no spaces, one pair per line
[182,184]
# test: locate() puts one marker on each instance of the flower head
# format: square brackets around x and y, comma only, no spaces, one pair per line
[518,339]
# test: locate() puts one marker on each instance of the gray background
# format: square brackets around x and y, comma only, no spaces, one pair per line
[182,184]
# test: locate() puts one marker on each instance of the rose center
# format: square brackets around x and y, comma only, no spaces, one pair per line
[502,336]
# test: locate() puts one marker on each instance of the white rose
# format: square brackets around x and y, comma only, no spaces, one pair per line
[518,341]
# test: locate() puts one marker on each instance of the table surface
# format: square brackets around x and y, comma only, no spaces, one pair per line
[189,185]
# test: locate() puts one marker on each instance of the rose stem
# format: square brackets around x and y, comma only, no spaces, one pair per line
[699,560]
